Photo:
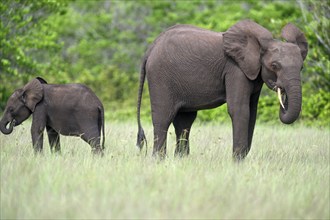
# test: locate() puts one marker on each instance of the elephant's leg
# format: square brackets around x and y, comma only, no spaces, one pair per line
[238,91]
[161,120]
[92,137]
[54,140]
[160,136]
[182,124]
[163,110]
[37,132]
[37,129]
[253,115]
[240,121]
[243,127]
[37,139]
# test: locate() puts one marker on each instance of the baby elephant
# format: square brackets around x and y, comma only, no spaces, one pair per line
[70,109]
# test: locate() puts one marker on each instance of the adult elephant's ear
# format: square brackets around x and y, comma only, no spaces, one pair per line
[292,34]
[32,94]
[242,42]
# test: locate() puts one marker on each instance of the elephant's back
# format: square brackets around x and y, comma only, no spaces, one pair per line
[182,32]
[183,47]
[71,96]
[186,29]
[187,41]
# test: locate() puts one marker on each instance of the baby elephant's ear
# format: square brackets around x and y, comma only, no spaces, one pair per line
[33,94]
[41,80]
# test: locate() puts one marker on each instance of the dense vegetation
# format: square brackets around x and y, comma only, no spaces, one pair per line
[101,44]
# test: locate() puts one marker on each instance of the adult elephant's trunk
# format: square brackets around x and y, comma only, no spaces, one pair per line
[292,103]
[3,126]
[293,91]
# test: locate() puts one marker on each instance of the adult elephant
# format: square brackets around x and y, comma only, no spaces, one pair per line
[190,69]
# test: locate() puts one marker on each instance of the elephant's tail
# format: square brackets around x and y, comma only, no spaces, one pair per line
[101,111]
[141,138]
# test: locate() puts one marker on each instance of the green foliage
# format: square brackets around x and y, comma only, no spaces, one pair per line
[111,82]
[268,108]
[316,108]
[218,115]
[317,19]
[101,44]
[27,41]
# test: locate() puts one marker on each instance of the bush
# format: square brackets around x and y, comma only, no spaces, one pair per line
[101,44]
[316,108]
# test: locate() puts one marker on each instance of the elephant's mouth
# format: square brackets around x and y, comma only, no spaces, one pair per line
[12,123]
[282,97]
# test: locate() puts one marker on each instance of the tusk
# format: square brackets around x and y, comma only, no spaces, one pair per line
[280,97]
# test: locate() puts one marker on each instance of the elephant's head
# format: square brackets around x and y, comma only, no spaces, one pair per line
[21,104]
[255,51]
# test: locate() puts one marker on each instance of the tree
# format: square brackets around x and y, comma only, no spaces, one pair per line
[101,43]
[26,41]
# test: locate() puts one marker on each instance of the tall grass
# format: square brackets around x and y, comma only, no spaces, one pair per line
[286,175]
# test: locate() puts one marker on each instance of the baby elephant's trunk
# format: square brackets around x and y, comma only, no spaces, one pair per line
[3,126]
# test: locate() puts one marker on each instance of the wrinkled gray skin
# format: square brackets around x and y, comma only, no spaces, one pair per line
[70,109]
[190,69]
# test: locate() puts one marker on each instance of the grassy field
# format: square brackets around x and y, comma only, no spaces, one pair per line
[286,175]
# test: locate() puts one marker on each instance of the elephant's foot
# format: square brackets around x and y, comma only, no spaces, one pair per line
[159,154]
[55,150]
[182,148]
[98,151]
[182,145]
[239,153]
[38,151]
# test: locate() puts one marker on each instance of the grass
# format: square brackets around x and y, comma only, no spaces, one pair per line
[285,176]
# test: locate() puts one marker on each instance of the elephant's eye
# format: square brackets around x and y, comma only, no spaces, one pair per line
[11,109]
[275,66]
